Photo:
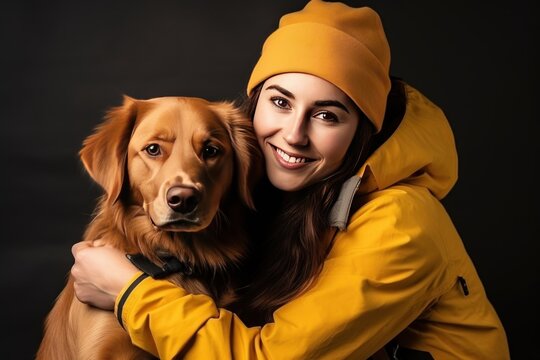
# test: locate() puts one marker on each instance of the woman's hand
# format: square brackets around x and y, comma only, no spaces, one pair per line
[100,272]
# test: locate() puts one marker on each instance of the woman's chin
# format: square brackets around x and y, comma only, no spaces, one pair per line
[287,184]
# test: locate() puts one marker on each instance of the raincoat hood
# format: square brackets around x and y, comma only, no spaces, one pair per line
[421,152]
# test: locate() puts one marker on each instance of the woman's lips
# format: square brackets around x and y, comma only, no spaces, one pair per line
[290,161]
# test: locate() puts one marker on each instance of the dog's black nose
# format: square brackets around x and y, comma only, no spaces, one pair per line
[182,199]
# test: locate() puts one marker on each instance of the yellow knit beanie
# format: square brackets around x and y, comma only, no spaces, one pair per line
[344,45]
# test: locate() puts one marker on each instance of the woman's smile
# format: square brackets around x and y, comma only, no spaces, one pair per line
[290,160]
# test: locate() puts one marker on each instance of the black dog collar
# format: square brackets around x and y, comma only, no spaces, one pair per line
[171,265]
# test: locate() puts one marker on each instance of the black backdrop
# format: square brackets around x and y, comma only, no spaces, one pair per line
[63,63]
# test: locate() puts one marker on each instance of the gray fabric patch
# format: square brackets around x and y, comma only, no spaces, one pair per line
[339,215]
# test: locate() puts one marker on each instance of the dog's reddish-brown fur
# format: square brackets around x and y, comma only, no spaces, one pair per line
[176,174]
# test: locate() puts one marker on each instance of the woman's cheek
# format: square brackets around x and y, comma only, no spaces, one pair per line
[262,123]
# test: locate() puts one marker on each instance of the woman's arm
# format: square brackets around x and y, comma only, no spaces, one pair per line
[381,274]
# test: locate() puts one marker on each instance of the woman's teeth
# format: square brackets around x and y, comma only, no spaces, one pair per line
[289,159]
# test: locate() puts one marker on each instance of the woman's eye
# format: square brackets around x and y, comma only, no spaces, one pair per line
[280,102]
[210,151]
[326,116]
[153,150]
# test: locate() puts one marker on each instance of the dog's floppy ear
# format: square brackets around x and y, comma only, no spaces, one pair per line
[247,153]
[104,153]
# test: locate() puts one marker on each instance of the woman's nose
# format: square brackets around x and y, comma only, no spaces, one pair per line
[296,133]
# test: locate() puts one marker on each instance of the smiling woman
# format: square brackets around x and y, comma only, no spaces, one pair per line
[354,255]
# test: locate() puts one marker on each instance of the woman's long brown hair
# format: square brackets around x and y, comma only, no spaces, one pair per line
[292,235]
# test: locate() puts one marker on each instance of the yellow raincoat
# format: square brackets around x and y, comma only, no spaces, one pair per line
[397,271]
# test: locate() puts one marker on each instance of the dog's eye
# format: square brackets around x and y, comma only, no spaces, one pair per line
[153,150]
[210,151]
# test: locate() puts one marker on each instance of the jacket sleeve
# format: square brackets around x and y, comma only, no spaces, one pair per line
[381,274]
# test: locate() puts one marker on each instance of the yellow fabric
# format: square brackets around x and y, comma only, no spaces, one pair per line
[421,151]
[344,45]
[391,275]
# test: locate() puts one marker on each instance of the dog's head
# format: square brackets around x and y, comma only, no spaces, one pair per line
[175,156]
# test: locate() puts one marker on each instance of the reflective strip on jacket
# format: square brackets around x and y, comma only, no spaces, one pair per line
[399,271]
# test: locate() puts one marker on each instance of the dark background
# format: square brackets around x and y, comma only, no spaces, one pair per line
[63,63]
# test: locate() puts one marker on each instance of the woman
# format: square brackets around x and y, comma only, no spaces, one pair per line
[362,259]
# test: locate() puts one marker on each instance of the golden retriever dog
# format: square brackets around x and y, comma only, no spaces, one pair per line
[177,175]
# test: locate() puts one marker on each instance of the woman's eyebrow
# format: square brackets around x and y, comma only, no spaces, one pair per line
[318,103]
[281,90]
[332,103]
